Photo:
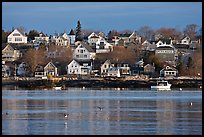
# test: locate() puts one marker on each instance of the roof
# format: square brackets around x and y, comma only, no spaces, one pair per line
[51,64]
[43,35]
[94,36]
[168,68]
[183,46]
[165,47]
[124,35]
[87,47]
[4,45]
[71,32]
[167,41]
[22,33]
[81,62]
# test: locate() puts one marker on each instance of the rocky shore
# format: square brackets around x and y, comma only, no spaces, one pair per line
[104,83]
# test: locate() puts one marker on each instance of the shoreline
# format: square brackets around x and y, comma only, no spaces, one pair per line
[105,83]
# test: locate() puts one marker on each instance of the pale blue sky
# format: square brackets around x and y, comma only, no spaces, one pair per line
[50,17]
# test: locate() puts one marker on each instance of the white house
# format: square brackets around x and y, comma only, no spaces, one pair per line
[168,72]
[102,46]
[83,52]
[17,37]
[79,67]
[92,39]
[61,41]
[114,72]
[64,35]
[186,40]
[135,38]
[105,66]
[41,38]
[159,43]
[9,53]
[50,69]
[146,42]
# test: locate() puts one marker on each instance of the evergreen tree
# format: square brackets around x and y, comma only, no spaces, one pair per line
[78,32]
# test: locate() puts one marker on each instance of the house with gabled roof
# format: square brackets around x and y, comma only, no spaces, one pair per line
[17,37]
[79,67]
[92,39]
[135,38]
[138,67]
[186,40]
[102,46]
[41,38]
[61,41]
[83,52]
[114,68]
[168,72]
[10,53]
[39,71]
[50,69]
[105,67]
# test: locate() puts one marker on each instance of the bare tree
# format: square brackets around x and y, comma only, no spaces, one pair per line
[169,33]
[126,31]
[34,57]
[146,32]
[190,30]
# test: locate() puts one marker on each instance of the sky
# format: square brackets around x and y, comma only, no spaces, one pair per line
[51,17]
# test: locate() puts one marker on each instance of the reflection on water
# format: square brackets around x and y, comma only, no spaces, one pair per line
[122,112]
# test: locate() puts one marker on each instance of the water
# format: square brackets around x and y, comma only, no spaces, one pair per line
[124,112]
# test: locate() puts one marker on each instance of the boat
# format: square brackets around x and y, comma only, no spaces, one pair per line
[57,88]
[162,85]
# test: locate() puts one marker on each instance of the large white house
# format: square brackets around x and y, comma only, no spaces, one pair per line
[17,37]
[102,46]
[83,52]
[79,67]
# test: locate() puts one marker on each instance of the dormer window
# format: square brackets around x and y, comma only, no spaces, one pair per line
[16,34]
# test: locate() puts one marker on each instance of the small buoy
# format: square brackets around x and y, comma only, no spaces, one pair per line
[200,86]
[191,103]
[83,87]
[180,89]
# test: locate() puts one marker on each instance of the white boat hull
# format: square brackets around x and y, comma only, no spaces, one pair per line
[57,88]
[167,87]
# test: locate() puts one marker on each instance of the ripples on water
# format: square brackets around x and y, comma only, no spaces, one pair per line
[124,112]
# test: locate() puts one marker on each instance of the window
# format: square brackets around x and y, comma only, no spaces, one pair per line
[173,73]
[104,66]
[16,34]
[18,39]
[85,56]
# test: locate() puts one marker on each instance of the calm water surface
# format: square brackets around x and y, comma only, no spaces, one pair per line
[124,112]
